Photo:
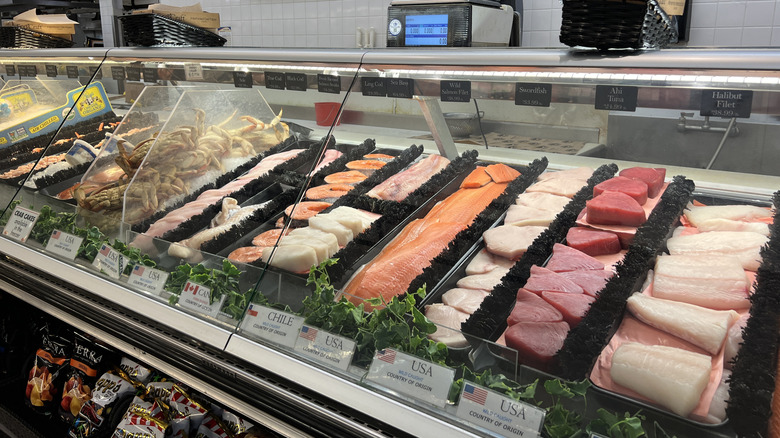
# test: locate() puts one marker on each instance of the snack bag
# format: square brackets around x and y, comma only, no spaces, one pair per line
[109,391]
[136,373]
[212,428]
[85,362]
[234,423]
[45,376]
[137,424]
[187,414]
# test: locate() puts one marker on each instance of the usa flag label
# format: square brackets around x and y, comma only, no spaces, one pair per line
[64,244]
[148,279]
[488,409]
[325,347]
[197,297]
[411,376]
[110,261]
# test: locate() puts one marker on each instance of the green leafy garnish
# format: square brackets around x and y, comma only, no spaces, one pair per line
[220,281]
[616,426]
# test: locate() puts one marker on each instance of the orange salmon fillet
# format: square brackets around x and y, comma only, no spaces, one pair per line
[477,178]
[501,173]
[402,260]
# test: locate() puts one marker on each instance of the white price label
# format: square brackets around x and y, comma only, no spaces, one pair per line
[64,244]
[332,350]
[149,279]
[493,411]
[193,72]
[198,298]
[20,224]
[272,325]
[412,376]
[110,261]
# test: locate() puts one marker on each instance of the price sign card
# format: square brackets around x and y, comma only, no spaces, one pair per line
[150,74]
[20,224]
[110,261]
[296,81]
[10,70]
[272,325]
[64,244]
[455,91]
[493,411]
[411,376]
[616,98]
[28,71]
[726,103]
[51,70]
[118,73]
[133,74]
[400,88]
[193,72]
[242,79]
[274,80]
[148,279]
[72,71]
[197,297]
[328,84]
[94,70]
[332,350]
[533,94]
[373,87]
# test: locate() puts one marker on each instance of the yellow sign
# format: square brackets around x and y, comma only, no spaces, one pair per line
[3,140]
[44,124]
[19,102]
[90,102]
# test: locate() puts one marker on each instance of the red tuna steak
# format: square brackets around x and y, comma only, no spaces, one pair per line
[565,258]
[590,281]
[654,178]
[634,188]
[615,208]
[593,242]
[572,307]
[543,279]
[529,307]
[537,343]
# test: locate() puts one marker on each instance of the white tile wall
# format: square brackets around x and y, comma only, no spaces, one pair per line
[332,23]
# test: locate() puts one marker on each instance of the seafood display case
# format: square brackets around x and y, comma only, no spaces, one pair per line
[495,192]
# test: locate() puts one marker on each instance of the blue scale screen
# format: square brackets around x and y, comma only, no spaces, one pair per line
[426,30]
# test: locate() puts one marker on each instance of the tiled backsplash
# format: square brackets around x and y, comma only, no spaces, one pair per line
[333,23]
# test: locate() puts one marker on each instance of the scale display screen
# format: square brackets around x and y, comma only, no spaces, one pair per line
[426,30]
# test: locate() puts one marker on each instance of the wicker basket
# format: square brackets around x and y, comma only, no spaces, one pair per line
[21,38]
[152,30]
[621,24]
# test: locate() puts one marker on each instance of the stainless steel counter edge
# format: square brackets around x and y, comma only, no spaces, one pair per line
[401,416]
[197,328]
[216,54]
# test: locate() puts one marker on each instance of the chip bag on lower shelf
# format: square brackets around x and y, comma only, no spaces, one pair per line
[111,393]
[45,377]
[87,360]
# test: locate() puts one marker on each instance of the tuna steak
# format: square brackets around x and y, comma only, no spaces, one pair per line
[530,307]
[615,208]
[631,187]
[653,177]
[543,279]
[572,306]
[593,242]
[565,258]
[537,343]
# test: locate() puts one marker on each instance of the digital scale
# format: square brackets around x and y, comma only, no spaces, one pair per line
[450,23]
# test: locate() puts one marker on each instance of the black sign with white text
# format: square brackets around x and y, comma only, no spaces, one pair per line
[726,103]
[373,87]
[455,91]
[533,94]
[616,98]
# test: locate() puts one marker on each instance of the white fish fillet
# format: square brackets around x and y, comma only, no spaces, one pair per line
[486,281]
[567,187]
[731,225]
[700,215]
[510,241]
[717,412]
[485,262]
[542,201]
[446,316]
[465,300]
[581,173]
[700,326]
[734,341]
[522,215]
[313,233]
[294,258]
[342,233]
[352,218]
[715,282]
[320,248]
[672,377]
[744,245]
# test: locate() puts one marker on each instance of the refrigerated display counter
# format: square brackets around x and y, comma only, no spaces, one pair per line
[169,163]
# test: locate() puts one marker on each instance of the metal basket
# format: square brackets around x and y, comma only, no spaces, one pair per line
[21,38]
[609,24]
[152,30]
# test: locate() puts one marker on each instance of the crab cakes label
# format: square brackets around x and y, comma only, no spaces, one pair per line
[110,261]
[197,297]
[412,376]
[325,347]
[20,224]
[503,415]
[148,279]
[64,244]
[273,325]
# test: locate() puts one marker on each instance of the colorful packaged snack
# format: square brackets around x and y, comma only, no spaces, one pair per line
[86,361]
[45,378]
